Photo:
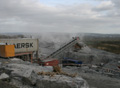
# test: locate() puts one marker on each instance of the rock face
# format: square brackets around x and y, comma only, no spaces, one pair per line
[24,75]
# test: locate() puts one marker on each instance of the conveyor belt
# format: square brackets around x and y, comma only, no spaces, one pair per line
[64,47]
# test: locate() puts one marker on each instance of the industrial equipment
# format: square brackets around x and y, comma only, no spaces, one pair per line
[71,62]
[22,45]
[49,62]
[64,47]
[73,43]
[23,48]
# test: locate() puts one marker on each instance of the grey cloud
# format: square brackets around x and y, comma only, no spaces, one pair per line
[104,6]
[111,9]
[32,16]
[116,2]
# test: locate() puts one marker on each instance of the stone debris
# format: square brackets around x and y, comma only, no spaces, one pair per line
[56,71]
[85,49]
[24,75]
[51,74]
[59,81]
[4,76]
[95,79]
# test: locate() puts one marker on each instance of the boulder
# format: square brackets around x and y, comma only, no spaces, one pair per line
[4,76]
[25,76]
[18,82]
[29,77]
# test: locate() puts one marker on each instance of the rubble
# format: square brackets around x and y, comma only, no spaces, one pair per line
[4,76]
[61,82]
[85,49]
[24,75]
[95,79]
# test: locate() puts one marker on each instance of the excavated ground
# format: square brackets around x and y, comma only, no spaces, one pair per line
[95,80]
[91,56]
[15,73]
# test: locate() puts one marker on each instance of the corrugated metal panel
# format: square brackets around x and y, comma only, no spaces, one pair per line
[22,45]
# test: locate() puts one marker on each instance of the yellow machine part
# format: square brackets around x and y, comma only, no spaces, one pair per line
[7,50]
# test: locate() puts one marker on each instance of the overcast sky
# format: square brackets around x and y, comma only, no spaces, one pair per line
[71,16]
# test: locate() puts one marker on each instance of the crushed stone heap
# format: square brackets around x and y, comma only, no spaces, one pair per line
[23,74]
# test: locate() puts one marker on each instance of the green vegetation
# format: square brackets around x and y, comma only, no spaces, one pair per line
[11,36]
[107,45]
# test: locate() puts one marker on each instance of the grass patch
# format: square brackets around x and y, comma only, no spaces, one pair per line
[110,46]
